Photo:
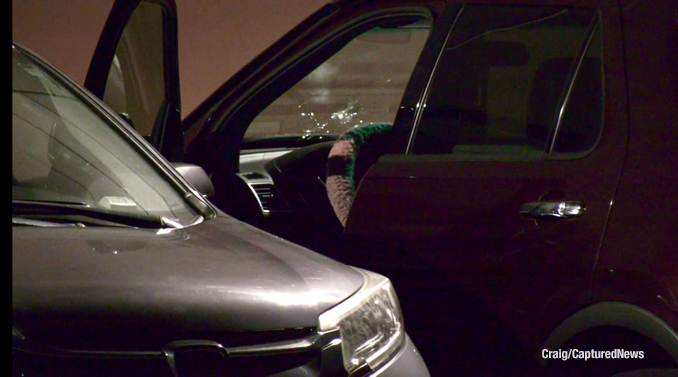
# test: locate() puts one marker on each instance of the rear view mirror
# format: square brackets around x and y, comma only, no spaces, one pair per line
[196,176]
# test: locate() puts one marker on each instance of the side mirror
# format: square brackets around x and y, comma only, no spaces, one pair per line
[196,176]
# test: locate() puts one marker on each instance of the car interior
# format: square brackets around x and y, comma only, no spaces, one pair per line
[280,184]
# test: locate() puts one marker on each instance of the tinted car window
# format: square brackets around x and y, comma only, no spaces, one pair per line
[64,151]
[580,124]
[502,79]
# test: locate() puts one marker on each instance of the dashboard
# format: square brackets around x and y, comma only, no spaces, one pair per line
[282,190]
[285,180]
[258,180]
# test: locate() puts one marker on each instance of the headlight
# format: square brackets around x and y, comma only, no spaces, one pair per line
[370,323]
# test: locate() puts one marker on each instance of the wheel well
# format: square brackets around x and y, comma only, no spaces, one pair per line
[608,326]
[610,338]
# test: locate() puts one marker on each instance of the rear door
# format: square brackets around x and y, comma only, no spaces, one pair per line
[510,169]
[135,71]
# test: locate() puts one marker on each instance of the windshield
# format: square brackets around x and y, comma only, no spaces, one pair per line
[66,152]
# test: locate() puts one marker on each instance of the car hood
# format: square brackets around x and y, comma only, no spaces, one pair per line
[121,288]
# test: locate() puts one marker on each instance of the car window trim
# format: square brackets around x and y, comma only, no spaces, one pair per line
[419,109]
[594,29]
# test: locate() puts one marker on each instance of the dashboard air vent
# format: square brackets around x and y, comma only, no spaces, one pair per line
[266,194]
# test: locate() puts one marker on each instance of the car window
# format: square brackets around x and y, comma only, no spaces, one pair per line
[579,127]
[503,78]
[136,84]
[362,83]
[64,151]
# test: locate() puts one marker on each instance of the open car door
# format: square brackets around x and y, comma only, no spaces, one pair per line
[135,71]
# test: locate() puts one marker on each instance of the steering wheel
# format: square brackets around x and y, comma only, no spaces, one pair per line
[342,161]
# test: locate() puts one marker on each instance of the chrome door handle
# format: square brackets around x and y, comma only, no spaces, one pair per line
[553,210]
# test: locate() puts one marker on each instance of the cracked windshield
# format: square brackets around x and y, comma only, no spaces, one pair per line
[66,154]
[363,83]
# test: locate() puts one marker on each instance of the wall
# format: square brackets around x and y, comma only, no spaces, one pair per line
[216,37]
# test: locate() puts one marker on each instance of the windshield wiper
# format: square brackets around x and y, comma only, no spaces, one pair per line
[81,213]
[42,224]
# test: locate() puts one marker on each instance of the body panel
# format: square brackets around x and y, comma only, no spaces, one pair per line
[218,276]
[639,256]
[462,216]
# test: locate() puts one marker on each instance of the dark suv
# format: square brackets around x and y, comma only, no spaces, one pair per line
[519,195]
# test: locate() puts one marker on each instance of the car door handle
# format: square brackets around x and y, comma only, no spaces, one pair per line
[553,210]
